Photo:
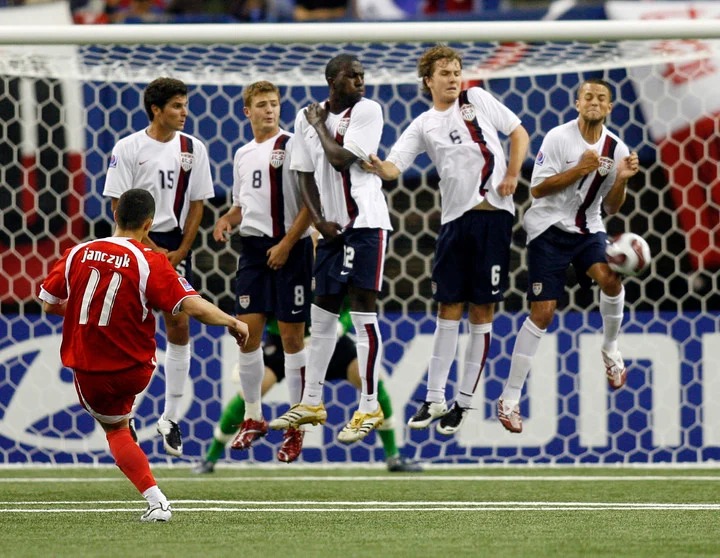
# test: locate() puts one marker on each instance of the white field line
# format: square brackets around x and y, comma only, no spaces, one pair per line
[389,477]
[236,506]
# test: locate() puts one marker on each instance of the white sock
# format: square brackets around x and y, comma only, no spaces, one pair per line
[475,357]
[445,341]
[252,370]
[526,345]
[294,374]
[177,369]
[369,354]
[154,495]
[611,310]
[323,325]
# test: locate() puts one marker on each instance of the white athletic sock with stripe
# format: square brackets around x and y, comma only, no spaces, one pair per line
[294,372]
[252,370]
[475,357]
[445,341]
[369,355]
[526,345]
[323,327]
[611,310]
[177,369]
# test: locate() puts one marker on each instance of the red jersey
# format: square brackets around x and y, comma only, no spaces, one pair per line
[111,286]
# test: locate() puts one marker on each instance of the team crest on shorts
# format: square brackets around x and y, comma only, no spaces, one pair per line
[186,160]
[277,158]
[537,288]
[244,301]
[606,165]
[343,126]
[468,112]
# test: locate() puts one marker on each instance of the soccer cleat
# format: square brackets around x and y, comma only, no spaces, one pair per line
[157,512]
[250,430]
[203,467]
[360,426]
[509,415]
[400,464]
[300,414]
[452,420]
[615,369]
[172,437]
[291,445]
[427,413]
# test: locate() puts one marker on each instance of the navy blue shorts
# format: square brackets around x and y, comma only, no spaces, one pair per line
[345,352]
[472,258]
[171,241]
[550,255]
[357,257]
[284,292]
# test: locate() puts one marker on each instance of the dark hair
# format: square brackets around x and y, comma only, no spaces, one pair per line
[338,64]
[426,63]
[134,207]
[596,81]
[160,91]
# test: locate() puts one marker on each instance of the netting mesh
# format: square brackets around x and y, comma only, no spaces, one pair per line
[62,114]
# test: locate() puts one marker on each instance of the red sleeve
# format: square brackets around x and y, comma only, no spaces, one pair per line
[165,288]
[55,283]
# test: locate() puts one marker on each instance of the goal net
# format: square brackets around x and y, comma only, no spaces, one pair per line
[64,107]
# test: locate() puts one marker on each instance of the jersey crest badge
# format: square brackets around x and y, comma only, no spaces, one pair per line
[606,165]
[277,158]
[186,161]
[244,301]
[343,126]
[536,288]
[468,112]
[185,284]
[113,162]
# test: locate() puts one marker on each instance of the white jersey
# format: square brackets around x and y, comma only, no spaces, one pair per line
[463,144]
[353,198]
[575,209]
[174,172]
[265,188]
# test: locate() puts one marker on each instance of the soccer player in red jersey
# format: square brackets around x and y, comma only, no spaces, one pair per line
[106,290]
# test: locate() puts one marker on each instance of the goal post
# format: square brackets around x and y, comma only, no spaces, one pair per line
[67,94]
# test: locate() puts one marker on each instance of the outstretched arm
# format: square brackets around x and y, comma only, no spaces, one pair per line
[384,169]
[208,313]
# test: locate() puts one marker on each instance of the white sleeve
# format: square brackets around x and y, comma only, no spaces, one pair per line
[408,146]
[366,126]
[237,183]
[549,159]
[119,177]
[502,118]
[201,184]
[301,159]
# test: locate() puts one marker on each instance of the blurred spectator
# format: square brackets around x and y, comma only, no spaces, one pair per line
[323,10]
[241,10]
[386,9]
[136,11]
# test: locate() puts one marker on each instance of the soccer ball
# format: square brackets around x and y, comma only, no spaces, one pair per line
[628,254]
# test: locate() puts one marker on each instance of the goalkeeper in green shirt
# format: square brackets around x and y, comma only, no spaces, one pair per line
[343,366]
